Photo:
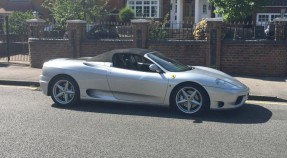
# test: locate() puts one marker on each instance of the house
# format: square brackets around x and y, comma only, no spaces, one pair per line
[275,9]
[8,6]
[180,11]
[192,11]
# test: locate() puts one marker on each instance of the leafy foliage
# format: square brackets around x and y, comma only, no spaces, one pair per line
[199,30]
[126,14]
[63,10]
[237,10]
[17,22]
[157,29]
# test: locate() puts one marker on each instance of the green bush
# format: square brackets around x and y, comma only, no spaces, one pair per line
[157,29]
[199,31]
[17,22]
[126,14]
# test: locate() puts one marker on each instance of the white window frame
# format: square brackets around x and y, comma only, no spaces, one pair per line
[269,18]
[204,9]
[133,4]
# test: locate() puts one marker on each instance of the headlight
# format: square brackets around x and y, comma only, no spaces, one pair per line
[226,85]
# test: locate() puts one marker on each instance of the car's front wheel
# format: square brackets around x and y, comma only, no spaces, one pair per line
[65,91]
[190,99]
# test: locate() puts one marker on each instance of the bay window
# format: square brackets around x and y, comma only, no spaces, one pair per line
[145,8]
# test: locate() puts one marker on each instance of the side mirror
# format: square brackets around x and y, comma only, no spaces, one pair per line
[154,68]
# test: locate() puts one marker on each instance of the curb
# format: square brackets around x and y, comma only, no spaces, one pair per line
[20,83]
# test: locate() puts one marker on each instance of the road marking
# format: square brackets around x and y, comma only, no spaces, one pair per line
[266,102]
[21,87]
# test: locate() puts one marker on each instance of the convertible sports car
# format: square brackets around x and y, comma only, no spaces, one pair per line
[141,76]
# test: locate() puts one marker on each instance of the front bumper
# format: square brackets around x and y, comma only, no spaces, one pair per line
[226,99]
[44,82]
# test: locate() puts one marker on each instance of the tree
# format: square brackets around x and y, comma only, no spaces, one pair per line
[236,10]
[126,14]
[17,22]
[63,10]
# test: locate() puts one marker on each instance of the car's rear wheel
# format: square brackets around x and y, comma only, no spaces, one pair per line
[190,99]
[65,91]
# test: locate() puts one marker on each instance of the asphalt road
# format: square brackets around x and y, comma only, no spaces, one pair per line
[31,126]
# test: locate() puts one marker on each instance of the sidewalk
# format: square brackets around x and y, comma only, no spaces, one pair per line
[261,88]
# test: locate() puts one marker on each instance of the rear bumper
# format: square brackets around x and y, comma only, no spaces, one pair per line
[226,99]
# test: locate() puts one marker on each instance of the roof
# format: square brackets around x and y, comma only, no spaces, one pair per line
[16,6]
[108,56]
[3,11]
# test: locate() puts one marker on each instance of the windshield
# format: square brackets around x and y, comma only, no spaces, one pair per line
[168,64]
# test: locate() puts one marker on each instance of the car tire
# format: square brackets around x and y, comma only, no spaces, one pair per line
[65,91]
[190,99]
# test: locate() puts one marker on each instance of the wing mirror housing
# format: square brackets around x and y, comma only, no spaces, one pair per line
[155,68]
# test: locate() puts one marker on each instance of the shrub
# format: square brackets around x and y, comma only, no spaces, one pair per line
[157,29]
[17,22]
[199,32]
[126,14]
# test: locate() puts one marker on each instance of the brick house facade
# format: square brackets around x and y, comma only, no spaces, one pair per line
[275,9]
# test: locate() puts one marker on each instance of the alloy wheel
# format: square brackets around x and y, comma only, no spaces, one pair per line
[189,100]
[63,91]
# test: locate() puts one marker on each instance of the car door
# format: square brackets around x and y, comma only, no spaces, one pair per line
[130,84]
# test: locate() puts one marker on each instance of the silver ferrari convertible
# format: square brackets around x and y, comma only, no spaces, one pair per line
[141,76]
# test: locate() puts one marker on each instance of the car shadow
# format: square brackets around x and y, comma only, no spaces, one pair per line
[248,114]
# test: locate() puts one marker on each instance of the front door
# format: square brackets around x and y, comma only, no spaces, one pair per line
[173,14]
[188,12]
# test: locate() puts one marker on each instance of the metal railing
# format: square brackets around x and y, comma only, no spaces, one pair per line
[51,32]
[175,32]
[251,31]
[112,31]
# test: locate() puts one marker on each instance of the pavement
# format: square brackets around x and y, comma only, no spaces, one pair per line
[261,88]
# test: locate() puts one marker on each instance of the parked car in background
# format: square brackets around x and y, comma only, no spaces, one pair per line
[102,31]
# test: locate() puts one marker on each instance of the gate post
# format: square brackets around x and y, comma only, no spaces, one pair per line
[36,28]
[140,32]
[280,29]
[76,34]
[213,35]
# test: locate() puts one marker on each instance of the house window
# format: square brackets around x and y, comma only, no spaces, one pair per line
[145,8]
[204,9]
[264,18]
[275,16]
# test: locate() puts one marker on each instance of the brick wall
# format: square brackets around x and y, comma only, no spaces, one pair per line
[192,53]
[257,59]
[260,58]
[93,47]
[44,50]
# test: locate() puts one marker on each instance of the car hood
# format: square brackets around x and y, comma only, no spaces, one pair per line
[208,76]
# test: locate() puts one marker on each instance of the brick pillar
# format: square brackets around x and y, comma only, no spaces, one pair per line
[140,32]
[76,34]
[213,36]
[280,29]
[36,28]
